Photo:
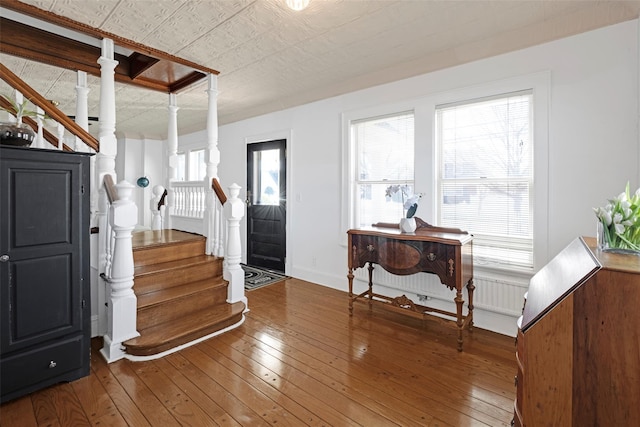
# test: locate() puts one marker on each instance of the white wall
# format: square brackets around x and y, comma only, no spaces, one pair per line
[593,146]
[137,158]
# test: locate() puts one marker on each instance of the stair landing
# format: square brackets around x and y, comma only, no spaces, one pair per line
[180,292]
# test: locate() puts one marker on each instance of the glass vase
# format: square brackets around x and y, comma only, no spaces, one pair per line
[603,244]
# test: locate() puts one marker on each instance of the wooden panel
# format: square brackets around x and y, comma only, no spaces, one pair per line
[565,272]
[606,371]
[548,365]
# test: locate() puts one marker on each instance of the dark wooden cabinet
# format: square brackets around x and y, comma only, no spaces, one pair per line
[578,343]
[44,270]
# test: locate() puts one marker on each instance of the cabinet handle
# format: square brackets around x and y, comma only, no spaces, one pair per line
[515,381]
[371,248]
[431,256]
[4,258]
[52,364]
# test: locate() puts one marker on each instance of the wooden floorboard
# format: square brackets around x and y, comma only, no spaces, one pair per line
[298,359]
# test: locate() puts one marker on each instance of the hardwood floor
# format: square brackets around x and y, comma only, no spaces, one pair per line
[298,359]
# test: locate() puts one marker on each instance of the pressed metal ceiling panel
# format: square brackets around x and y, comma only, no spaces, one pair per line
[271,58]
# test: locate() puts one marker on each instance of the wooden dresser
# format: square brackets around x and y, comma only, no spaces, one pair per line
[445,252]
[578,343]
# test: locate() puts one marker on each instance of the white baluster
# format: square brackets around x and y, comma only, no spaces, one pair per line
[104,259]
[234,211]
[60,130]
[40,142]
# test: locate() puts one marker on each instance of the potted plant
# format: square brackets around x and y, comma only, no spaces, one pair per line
[619,223]
[18,134]
[409,204]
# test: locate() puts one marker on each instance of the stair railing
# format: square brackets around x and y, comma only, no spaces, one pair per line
[214,219]
[187,206]
[116,266]
[49,109]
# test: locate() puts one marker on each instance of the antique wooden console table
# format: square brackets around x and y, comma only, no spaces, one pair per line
[446,252]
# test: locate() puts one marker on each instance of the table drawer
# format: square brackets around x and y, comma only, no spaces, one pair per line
[44,363]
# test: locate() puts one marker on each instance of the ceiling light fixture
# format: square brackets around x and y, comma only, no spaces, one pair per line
[297,5]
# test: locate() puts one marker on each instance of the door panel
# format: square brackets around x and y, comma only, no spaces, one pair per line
[40,231]
[266,204]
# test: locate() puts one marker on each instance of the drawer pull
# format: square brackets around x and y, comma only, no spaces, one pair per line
[371,248]
[52,364]
[431,256]
[515,381]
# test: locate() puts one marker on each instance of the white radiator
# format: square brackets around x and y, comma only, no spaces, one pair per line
[497,294]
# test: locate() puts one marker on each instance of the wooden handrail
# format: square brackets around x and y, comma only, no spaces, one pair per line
[110,187]
[162,199]
[217,188]
[53,112]
[48,136]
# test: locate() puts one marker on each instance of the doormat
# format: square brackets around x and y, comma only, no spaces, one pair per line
[255,278]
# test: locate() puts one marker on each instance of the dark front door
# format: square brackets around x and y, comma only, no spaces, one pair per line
[266,204]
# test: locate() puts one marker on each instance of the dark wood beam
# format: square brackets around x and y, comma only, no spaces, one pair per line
[145,67]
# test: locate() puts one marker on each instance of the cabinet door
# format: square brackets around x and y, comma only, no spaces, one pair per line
[40,233]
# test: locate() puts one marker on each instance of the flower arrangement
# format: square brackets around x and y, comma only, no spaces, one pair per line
[409,201]
[619,222]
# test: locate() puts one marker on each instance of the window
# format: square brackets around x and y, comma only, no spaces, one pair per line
[181,169]
[197,167]
[382,154]
[485,177]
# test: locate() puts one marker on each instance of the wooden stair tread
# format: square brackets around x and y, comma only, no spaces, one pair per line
[171,265]
[141,240]
[164,336]
[176,292]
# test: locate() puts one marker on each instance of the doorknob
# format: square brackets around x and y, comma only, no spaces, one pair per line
[248,198]
[4,258]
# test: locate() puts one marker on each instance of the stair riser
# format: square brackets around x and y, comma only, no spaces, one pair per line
[156,255]
[182,339]
[177,308]
[176,277]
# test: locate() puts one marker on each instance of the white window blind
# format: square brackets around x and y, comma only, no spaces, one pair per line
[383,152]
[485,179]
[181,169]
[197,167]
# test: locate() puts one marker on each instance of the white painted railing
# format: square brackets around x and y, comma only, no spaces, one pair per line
[205,209]
[188,199]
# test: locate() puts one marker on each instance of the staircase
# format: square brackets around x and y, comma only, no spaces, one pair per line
[180,292]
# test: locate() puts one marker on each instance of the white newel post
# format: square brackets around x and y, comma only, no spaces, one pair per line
[105,162]
[233,272]
[122,309]
[82,106]
[213,221]
[156,214]
[82,120]
[172,142]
